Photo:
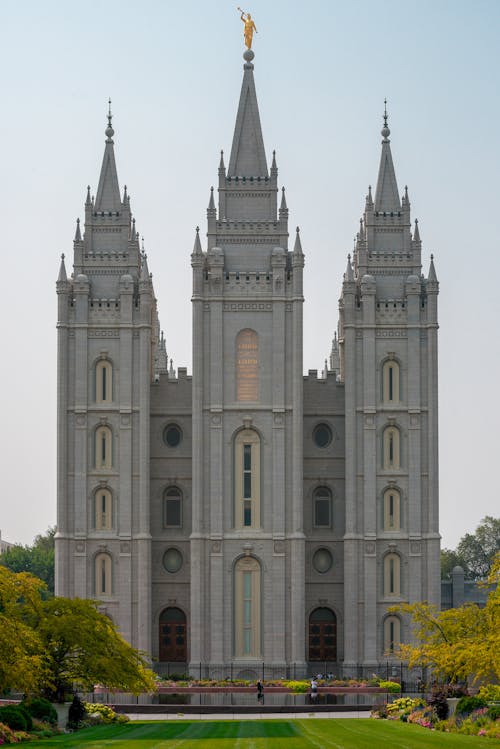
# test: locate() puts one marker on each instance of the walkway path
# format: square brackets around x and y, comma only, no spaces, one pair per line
[247,716]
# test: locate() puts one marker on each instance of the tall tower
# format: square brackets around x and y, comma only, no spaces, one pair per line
[107,335]
[247,541]
[388,350]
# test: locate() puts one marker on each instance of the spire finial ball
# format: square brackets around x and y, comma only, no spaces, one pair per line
[248,55]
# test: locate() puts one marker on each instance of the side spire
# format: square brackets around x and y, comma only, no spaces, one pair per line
[297,249]
[78,233]
[108,192]
[197,244]
[248,157]
[386,193]
[62,277]
[432,271]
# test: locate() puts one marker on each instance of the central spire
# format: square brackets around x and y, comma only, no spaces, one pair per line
[108,192]
[386,193]
[248,157]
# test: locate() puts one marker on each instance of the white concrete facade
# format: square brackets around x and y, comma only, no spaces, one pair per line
[249,514]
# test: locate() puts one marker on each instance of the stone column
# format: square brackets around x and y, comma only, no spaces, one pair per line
[369,595]
[84,436]
[196,542]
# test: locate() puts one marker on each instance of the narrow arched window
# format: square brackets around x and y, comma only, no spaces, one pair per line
[392,575]
[103,582]
[247,479]
[391,448]
[390,382]
[172,507]
[392,510]
[392,634]
[322,507]
[247,365]
[103,381]
[247,612]
[103,510]
[103,447]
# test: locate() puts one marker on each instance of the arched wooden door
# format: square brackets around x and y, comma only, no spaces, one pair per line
[322,635]
[173,635]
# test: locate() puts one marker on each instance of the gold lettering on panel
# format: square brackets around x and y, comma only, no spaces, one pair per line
[247,365]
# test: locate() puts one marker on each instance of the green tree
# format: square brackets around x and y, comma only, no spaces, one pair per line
[54,645]
[478,549]
[37,559]
[83,647]
[460,643]
[449,560]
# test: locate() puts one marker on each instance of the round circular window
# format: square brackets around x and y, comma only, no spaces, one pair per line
[322,435]
[322,560]
[172,560]
[172,435]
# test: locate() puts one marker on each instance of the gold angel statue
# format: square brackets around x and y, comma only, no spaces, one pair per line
[249,27]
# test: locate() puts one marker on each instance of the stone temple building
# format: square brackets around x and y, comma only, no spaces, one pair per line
[246,513]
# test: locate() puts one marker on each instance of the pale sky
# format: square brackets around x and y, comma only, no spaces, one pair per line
[322,71]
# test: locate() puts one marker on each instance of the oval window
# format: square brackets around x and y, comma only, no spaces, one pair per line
[322,435]
[172,560]
[322,560]
[172,435]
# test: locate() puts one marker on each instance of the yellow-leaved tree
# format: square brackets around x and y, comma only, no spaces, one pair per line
[457,644]
[53,646]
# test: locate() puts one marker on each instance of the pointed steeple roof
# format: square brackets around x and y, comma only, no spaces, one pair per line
[386,193]
[349,273]
[432,271]
[283,206]
[248,157]
[78,233]
[297,248]
[108,192]
[62,277]
[197,244]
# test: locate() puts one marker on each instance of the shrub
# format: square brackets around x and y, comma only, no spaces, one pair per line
[467,705]
[103,714]
[490,692]
[27,716]
[299,687]
[76,713]
[41,709]
[494,712]
[390,686]
[404,705]
[438,702]
[7,735]
[13,717]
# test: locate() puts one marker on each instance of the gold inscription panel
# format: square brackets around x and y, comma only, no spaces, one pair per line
[247,366]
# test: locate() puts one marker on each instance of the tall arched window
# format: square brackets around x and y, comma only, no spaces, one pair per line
[392,510]
[247,614]
[392,634]
[392,575]
[172,507]
[247,365]
[103,510]
[247,479]
[103,381]
[390,382]
[391,448]
[322,504]
[103,447]
[103,582]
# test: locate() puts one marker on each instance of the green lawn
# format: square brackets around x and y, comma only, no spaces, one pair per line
[309,733]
